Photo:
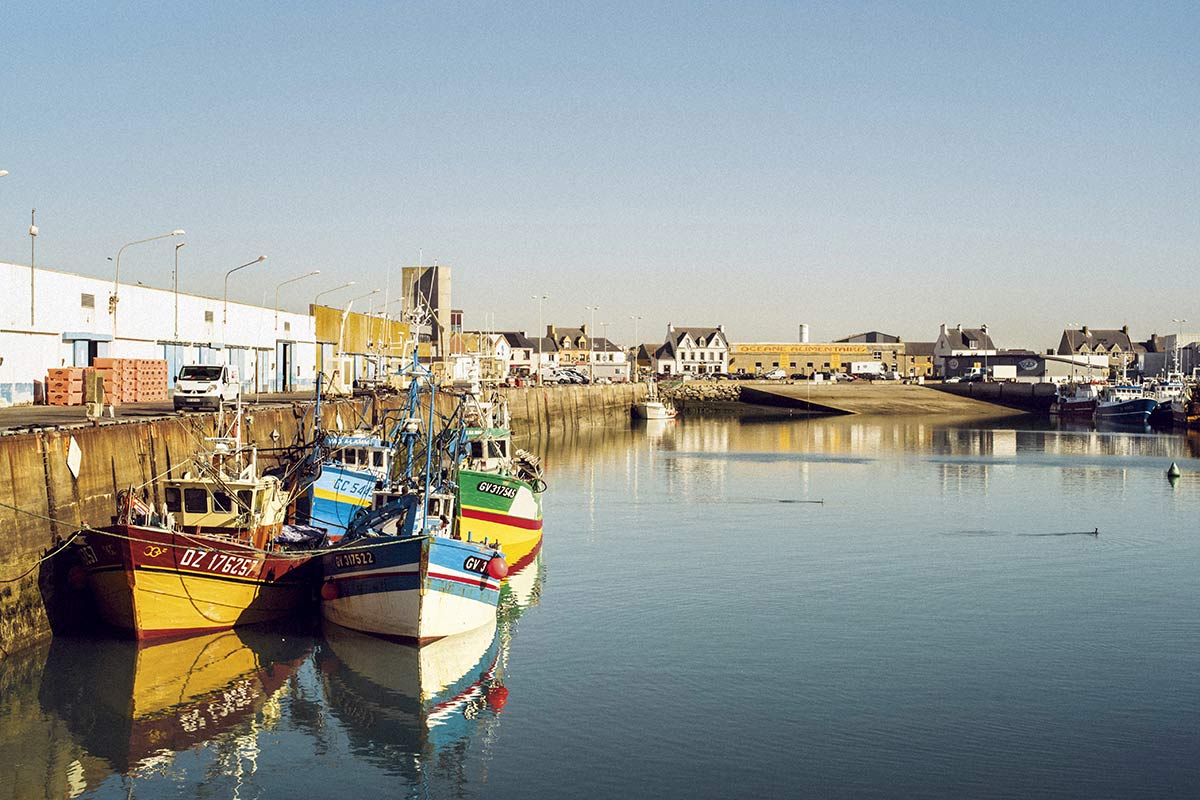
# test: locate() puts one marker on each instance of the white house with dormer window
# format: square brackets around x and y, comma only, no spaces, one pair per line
[692,351]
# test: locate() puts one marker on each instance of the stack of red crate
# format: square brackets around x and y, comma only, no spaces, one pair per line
[120,379]
[151,380]
[64,386]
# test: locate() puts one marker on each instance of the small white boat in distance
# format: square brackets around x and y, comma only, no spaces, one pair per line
[653,407]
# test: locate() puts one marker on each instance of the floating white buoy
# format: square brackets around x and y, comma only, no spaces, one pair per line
[1173,470]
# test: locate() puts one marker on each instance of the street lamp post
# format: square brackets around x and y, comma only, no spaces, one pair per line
[285,283]
[33,232]
[592,344]
[541,298]
[112,301]
[637,346]
[176,278]
[331,291]
[225,311]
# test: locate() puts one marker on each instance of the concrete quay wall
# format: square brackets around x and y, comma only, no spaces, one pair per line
[42,503]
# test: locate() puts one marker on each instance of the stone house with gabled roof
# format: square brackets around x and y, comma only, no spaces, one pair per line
[1112,342]
[959,343]
[522,353]
[693,350]
[571,344]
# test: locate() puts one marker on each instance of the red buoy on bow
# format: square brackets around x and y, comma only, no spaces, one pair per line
[498,567]
[329,591]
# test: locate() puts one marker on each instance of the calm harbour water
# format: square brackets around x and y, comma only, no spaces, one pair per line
[834,608]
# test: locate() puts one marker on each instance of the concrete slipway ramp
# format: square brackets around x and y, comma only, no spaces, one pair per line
[862,397]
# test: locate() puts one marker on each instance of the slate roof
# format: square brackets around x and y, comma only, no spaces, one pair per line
[871,337]
[696,333]
[518,339]
[919,348]
[1073,339]
[961,339]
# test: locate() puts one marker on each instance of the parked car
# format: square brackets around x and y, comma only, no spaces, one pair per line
[775,375]
[952,379]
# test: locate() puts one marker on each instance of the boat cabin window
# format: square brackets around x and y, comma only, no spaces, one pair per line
[378,454]
[195,501]
[222,502]
[246,499]
[173,499]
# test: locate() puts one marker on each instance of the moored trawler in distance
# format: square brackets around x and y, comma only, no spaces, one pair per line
[1124,403]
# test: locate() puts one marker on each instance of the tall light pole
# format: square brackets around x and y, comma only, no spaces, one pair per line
[592,344]
[176,276]
[1071,347]
[33,232]
[285,283]
[983,329]
[331,291]
[225,311]
[1179,345]
[541,298]
[637,346]
[112,301]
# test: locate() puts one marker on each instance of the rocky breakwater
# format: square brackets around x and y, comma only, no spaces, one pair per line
[712,395]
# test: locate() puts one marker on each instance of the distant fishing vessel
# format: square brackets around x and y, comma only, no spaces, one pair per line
[1076,400]
[1124,403]
[1185,409]
[653,407]
[1165,392]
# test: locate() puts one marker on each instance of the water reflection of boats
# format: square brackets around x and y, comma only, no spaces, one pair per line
[521,590]
[398,699]
[132,703]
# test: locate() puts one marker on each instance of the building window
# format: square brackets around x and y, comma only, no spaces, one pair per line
[87,301]
[287,327]
[208,316]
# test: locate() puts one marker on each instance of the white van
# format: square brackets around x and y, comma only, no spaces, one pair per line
[206,386]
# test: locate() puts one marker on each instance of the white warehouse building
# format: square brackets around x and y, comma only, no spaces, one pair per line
[57,319]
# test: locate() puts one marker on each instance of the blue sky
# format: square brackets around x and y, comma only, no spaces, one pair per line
[854,166]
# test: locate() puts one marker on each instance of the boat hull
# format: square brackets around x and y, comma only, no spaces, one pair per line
[503,509]
[652,409]
[418,588]
[1135,410]
[156,584]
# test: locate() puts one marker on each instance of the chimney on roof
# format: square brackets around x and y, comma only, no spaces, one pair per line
[1125,329]
[1086,332]
[721,328]
[958,327]
[670,328]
